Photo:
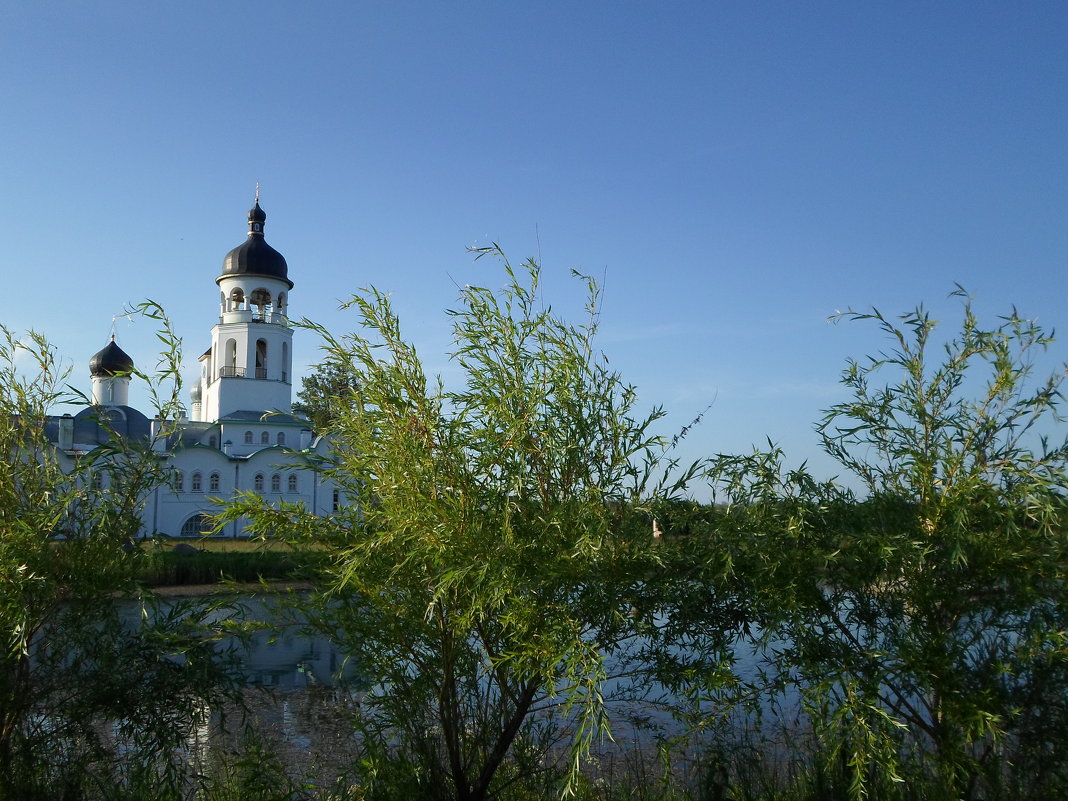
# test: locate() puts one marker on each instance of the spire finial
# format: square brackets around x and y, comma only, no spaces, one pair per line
[257,192]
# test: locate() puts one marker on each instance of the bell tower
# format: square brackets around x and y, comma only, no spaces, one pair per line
[249,364]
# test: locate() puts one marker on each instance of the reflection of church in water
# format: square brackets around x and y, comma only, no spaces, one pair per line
[242,434]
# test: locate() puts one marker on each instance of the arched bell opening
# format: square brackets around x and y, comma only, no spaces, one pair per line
[229,368]
[261,301]
[261,358]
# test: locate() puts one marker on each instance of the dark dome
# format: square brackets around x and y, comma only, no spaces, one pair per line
[255,256]
[110,361]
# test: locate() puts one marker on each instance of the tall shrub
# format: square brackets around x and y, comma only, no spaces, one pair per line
[926,620]
[493,567]
[78,674]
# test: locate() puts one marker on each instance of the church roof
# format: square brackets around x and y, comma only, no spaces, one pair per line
[254,256]
[97,425]
[253,416]
[110,360]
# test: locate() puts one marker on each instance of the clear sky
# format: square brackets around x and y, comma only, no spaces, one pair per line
[734,172]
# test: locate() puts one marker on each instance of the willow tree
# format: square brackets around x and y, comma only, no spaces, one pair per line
[925,621]
[489,566]
[73,665]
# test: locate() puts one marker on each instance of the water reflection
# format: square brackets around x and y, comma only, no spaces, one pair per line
[292,660]
[300,689]
[272,647]
[303,692]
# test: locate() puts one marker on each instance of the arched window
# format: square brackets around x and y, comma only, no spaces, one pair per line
[213,441]
[257,483]
[230,354]
[197,525]
[285,362]
[292,482]
[179,481]
[261,358]
[281,437]
[213,482]
[265,438]
[248,437]
[276,483]
[195,483]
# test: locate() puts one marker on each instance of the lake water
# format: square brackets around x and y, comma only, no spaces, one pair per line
[303,692]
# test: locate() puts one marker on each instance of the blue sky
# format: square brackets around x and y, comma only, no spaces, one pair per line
[734,172]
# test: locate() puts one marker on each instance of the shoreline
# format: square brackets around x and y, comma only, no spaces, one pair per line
[248,588]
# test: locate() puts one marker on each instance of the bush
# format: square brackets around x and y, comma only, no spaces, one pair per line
[185,567]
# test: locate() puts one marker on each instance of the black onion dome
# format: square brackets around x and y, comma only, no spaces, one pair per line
[111,360]
[255,256]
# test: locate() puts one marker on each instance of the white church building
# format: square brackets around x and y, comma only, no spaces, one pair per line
[242,433]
